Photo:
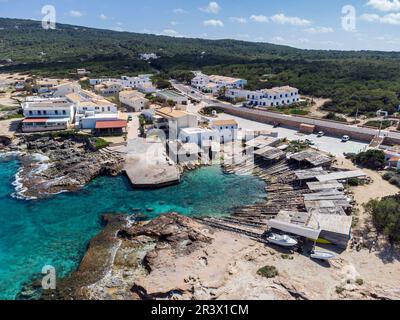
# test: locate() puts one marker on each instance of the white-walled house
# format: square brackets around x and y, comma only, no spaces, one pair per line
[135,82]
[227,129]
[109,88]
[66,88]
[199,136]
[214,83]
[133,99]
[279,96]
[173,96]
[47,114]
[92,108]
[200,81]
[173,121]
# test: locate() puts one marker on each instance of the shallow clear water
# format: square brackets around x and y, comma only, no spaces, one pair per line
[56,231]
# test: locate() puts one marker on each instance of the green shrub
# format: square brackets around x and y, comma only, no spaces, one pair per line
[360,281]
[386,216]
[334,117]
[395,180]
[268,272]
[377,124]
[388,175]
[372,159]
[100,143]
[354,182]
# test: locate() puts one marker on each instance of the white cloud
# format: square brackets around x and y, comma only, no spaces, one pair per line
[213,7]
[319,30]
[259,18]
[243,36]
[103,17]
[385,5]
[171,33]
[118,28]
[175,23]
[391,18]
[370,17]
[180,11]
[278,39]
[75,14]
[240,20]
[213,23]
[283,19]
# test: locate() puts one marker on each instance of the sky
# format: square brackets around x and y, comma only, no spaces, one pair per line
[306,24]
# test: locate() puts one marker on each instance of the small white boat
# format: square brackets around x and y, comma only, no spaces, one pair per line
[282,240]
[322,255]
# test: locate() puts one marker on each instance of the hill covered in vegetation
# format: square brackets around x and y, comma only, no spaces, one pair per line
[365,80]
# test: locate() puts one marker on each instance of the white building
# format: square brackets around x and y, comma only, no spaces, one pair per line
[66,88]
[279,96]
[173,121]
[90,105]
[173,96]
[135,100]
[200,81]
[109,88]
[47,114]
[214,83]
[227,129]
[134,82]
[199,136]
[47,85]
[148,56]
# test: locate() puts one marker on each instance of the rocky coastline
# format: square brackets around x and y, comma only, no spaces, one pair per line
[51,163]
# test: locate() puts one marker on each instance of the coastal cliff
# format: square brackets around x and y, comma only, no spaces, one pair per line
[52,163]
[175,257]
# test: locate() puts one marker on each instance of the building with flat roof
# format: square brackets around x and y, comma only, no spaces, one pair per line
[47,114]
[91,106]
[214,83]
[170,95]
[227,129]
[173,121]
[133,99]
[275,97]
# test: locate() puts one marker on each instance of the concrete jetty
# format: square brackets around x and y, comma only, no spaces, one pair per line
[148,166]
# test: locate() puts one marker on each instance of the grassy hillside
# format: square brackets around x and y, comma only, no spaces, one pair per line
[366,80]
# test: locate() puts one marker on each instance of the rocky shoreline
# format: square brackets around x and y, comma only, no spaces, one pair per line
[176,258]
[52,164]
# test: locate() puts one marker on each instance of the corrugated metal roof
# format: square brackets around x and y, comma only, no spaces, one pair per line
[117,124]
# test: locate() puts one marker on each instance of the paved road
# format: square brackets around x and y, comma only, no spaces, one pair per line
[317,122]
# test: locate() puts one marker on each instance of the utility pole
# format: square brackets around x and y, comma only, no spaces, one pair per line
[380,127]
[356,116]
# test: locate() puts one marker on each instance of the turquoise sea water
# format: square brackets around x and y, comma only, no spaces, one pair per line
[56,231]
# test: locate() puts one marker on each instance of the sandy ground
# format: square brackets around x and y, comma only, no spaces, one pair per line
[8,127]
[378,189]
[315,110]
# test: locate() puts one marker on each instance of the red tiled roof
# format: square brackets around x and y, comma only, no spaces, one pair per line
[116,124]
[35,120]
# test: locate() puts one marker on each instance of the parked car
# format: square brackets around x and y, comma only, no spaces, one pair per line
[320,134]
[310,142]
[345,138]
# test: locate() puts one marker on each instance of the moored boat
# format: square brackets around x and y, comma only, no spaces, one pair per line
[322,255]
[282,240]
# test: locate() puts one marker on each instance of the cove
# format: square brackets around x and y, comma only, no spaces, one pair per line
[56,231]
